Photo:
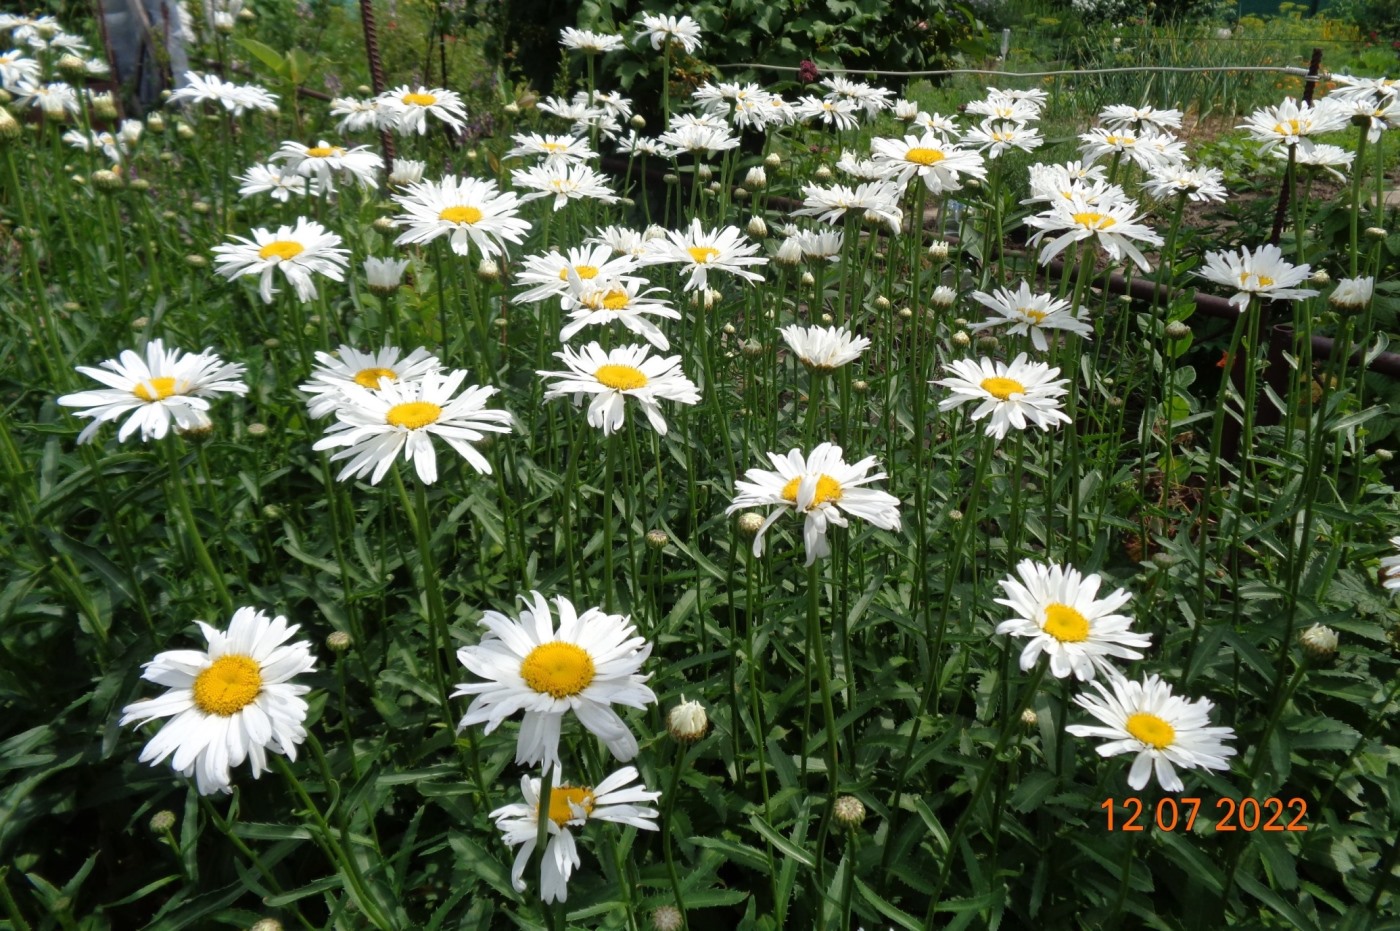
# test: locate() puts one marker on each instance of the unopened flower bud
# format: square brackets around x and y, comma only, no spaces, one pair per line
[740,194]
[1320,277]
[108,181]
[943,296]
[488,270]
[987,343]
[860,386]
[688,721]
[1177,330]
[704,172]
[750,523]
[104,107]
[139,185]
[272,512]
[670,178]
[848,811]
[905,313]
[196,261]
[808,280]
[140,323]
[386,226]
[1319,642]
[162,821]
[200,207]
[657,539]
[1375,233]
[822,174]
[266,924]
[257,430]
[938,250]
[638,121]
[72,67]
[338,641]
[9,127]
[712,187]
[955,515]
[882,303]
[666,918]
[752,349]
[774,160]
[1384,455]
[512,108]
[155,123]
[826,318]
[184,131]
[757,228]
[757,178]
[1029,717]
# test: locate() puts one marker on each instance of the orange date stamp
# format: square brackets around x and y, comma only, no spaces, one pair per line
[1173,814]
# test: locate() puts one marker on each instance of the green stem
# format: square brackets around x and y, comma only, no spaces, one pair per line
[182,501]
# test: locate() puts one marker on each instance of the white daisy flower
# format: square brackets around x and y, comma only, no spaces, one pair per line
[636,144]
[161,387]
[1352,294]
[1061,613]
[873,100]
[824,349]
[1352,88]
[865,169]
[1263,272]
[995,137]
[566,181]
[276,181]
[1110,222]
[659,29]
[55,99]
[589,664]
[602,301]
[229,703]
[357,115]
[1390,567]
[998,106]
[1070,179]
[548,274]
[467,210]
[406,172]
[1198,184]
[615,799]
[18,72]
[689,137]
[1163,729]
[365,369]
[623,240]
[824,488]
[878,199]
[1031,313]
[1014,395]
[374,426]
[701,252]
[384,275]
[1123,116]
[593,43]
[945,127]
[1146,149]
[939,164]
[298,251]
[235,98]
[612,376]
[1294,123]
[826,244]
[407,109]
[1329,158]
[553,149]
[839,113]
[324,161]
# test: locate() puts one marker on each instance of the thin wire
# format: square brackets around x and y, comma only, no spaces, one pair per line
[1282,69]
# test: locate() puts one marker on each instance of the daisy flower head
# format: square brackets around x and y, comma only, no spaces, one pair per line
[700,252]
[865,169]
[590,663]
[1030,313]
[1123,116]
[565,180]
[618,798]
[1146,149]
[824,488]
[879,199]
[229,703]
[350,366]
[1377,116]
[324,161]
[1352,294]
[667,29]
[824,349]
[1198,184]
[1162,729]
[1377,89]
[839,113]
[592,43]
[548,274]
[1109,222]
[357,115]
[276,181]
[56,99]
[869,98]
[161,386]
[994,137]
[1263,272]
[553,149]
[1065,180]
[1390,567]
[944,126]
[1294,123]
[1330,158]
[18,72]
[235,98]
[404,416]
[614,375]
[407,109]
[939,164]
[636,144]
[625,300]
[298,251]
[1060,612]
[384,276]
[1015,394]
[692,137]
[466,210]
[999,106]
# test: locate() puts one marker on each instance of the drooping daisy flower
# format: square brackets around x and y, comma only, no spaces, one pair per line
[613,376]
[324,161]
[592,43]
[297,251]
[635,145]
[365,369]
[1262,272]
[824,488]
[237,99]
[1061,613]
[1164,730]
[825,244]
[1352,294]
[1390,567]
[229,703]
[824,349]
[1109,222]
[624,240]
[614,799]
[689,137]
[17,72]
[1329,158]
[661,29]
[374,426]
[626,300]
[276,181]
[701,252]
[1294,123]
[408,109]
[163,386]
[1352,88]
[1123,116]
[878,199]
[566,181]
[548,274]
[1031,313]
[384,275]
[589,664]
[358,115]
[1014,395]
[939,164]
[467,210]
[1198,184]
[865,169]
[553,149]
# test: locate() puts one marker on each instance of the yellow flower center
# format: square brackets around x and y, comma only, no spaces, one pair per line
[1288,127]
[460,214]
[1065,624]
[228,686]
[1151,730]
[155,389]
[1264,281]
[1002,388]
[615,299]
[1034,316]
[413,415]
[562,802]
[419,100]
[369,378]
[583,271]
[324,151]
[924,156]
[1003,136]
[1119,140]
[703,255]
[621,377]
[553,146]
[559,669]
[282,250]
[828,489]
[1094,221]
